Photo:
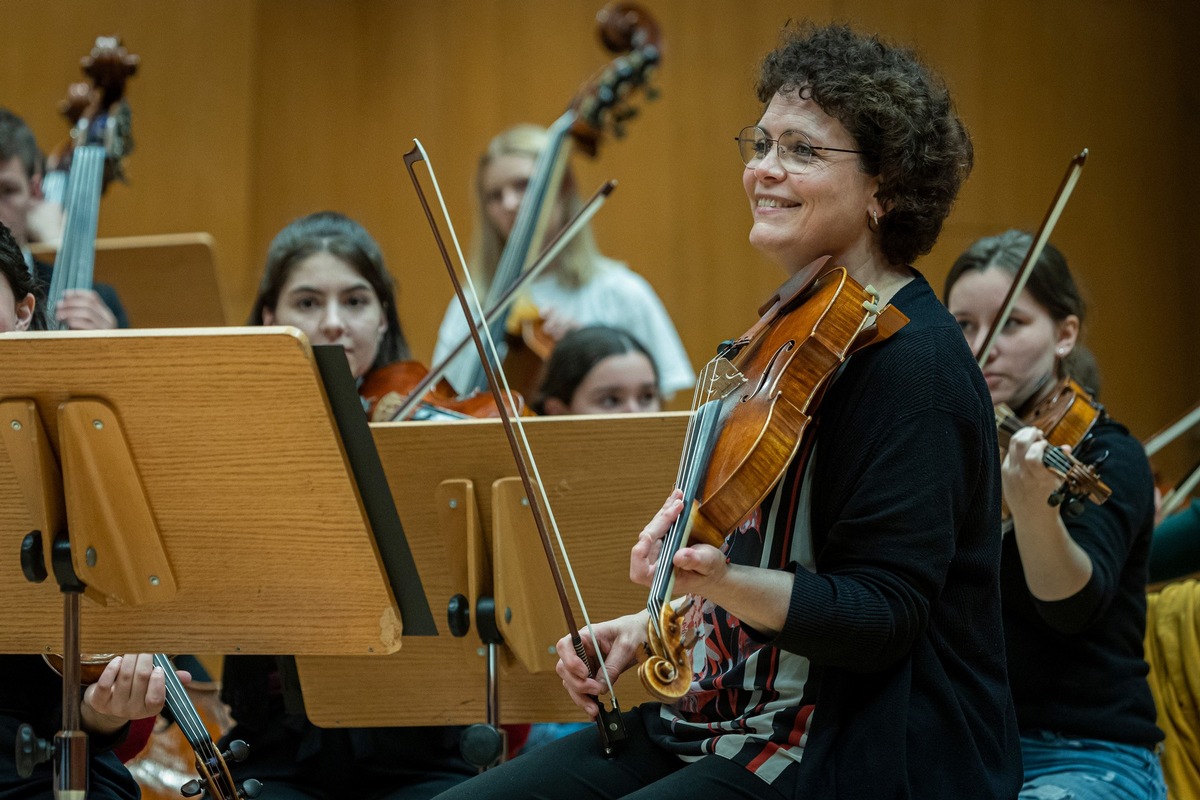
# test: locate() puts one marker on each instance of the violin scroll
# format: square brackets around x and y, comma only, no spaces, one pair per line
[666,663]
[1080,480]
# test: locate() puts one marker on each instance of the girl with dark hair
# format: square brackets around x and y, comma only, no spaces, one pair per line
[847,628]
[1073,588]
[598,370]
[326,276]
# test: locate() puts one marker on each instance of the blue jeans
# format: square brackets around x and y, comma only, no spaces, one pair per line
[1057,768]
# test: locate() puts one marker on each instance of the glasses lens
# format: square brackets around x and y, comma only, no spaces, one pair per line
[795,151]
[753,145]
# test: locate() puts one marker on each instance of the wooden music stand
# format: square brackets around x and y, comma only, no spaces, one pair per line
[456,486]
[165,281]
[210,498]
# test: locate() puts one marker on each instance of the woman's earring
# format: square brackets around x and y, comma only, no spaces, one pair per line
[874,220]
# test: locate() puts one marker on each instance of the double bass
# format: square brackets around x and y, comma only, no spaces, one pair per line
[101,137]
[603,105]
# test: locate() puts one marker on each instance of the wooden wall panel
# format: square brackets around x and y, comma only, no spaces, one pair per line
[191,169]
[251,113]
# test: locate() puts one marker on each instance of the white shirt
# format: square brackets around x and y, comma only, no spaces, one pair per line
[615,296]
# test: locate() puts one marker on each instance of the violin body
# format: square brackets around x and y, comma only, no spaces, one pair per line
[385,389]
[766,391]
[1067,415]
[784,372]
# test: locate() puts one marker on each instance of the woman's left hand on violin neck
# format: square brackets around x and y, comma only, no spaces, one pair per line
[1055,566]
[759,597]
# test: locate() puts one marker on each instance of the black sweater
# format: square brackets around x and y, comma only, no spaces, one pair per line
[901,620]
[1076,665]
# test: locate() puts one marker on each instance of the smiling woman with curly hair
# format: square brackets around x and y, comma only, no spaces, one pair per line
[848,629]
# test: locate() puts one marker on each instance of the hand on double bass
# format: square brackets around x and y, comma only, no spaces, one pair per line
[83,310]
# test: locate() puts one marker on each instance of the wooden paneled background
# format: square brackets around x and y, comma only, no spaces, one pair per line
[250,112]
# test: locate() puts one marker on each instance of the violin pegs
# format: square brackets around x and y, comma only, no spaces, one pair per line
[192,788]
[250,789]
[238,750]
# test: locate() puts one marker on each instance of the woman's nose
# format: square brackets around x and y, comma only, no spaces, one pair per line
[331,321]
[510,199]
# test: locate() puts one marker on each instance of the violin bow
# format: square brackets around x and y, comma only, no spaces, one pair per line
[1074,170]
[1172,432]
[608,720]
[556,246]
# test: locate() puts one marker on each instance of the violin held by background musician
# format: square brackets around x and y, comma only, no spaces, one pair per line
[1073,586]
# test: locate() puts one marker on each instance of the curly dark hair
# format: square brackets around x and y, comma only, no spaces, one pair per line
[898,111]
[13,269]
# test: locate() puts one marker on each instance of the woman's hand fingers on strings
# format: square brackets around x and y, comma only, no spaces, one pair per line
[131,687]
[698,568]
[1025,478]
[643,558]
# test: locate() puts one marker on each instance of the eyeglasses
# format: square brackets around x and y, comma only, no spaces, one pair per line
[796,150]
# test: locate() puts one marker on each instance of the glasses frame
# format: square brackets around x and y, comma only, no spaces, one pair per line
[774,145]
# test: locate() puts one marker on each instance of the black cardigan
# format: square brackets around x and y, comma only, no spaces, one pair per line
[901,620]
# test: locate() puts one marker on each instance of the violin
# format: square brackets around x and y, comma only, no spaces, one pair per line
[92,158]
[386,388]
[1066,417]
[210,763]
[603,104]
[755,402]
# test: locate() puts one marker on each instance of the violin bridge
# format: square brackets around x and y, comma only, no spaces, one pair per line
[724,377]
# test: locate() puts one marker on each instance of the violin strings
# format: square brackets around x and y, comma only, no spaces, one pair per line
[185,713]
[656,598]
[493,356]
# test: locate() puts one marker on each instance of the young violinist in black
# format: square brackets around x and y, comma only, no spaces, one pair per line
[849,629]
[1074,587]
[129,688]
[325,275]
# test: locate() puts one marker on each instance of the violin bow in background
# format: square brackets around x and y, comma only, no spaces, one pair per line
[1074,170]
[608,720]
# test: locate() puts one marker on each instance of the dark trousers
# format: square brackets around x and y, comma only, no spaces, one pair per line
[574,768]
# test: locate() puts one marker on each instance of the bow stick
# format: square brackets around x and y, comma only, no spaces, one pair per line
[1074,170]
[560,241]
[608,720]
